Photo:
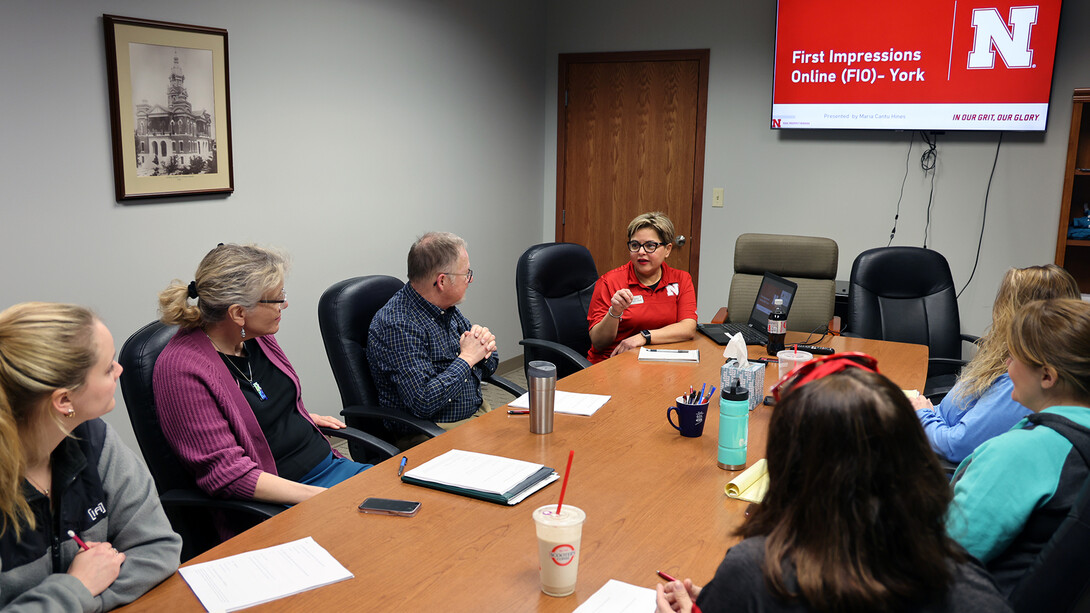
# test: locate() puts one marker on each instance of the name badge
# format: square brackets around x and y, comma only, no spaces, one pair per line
[637,299]
[672,289]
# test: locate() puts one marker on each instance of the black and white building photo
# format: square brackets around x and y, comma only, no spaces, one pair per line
[175,132]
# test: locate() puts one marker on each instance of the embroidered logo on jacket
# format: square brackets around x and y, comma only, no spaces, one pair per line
[96,510]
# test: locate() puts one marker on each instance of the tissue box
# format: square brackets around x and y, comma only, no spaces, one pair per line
[752,377]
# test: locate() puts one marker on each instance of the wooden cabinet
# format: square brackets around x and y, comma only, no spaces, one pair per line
[1074,253]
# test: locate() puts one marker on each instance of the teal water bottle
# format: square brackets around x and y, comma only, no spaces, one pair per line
[733,426]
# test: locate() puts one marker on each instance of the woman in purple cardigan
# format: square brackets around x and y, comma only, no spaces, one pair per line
[229,400]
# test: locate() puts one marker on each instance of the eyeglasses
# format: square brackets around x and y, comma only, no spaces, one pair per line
[648,247]
[282,300]
[468,276]
[823,367]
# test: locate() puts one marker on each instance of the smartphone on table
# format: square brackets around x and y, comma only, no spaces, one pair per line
[389,506]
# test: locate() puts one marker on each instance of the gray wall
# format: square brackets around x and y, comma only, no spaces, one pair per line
[357,127]
[839,184]
[359,124]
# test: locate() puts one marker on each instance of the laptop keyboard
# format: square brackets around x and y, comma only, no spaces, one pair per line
[752,336]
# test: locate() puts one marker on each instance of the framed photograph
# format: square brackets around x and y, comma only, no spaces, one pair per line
[170,108]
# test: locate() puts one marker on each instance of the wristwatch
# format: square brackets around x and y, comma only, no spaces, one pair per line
[646,336]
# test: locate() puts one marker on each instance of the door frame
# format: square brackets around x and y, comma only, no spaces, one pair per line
[701,56]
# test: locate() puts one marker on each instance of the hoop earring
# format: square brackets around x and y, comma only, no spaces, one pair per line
[244,333]
[70,413]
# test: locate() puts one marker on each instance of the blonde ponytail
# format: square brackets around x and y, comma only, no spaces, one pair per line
[175,309]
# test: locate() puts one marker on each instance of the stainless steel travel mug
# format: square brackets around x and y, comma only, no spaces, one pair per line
[541,376]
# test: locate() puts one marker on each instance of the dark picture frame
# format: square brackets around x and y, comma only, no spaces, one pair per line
[170,108]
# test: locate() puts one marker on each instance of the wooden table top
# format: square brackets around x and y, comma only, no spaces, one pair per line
[654,501]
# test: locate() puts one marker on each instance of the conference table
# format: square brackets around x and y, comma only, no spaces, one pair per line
[654,500]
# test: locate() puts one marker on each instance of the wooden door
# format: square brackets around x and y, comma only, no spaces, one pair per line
[631,140]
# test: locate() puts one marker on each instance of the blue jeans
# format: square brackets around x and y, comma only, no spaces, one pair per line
[332,470]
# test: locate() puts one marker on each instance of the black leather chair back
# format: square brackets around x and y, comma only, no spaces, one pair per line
[137,357]
[195,525]
[905,294]
[345,311]
[554,283]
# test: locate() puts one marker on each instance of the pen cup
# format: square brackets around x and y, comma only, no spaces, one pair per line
[690,417]
[558,541]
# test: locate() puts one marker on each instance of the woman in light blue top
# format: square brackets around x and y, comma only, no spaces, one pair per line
[980,406]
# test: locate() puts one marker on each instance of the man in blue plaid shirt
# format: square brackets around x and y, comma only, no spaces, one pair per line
[425,356]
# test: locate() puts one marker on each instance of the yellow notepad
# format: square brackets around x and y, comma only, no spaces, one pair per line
[752,484]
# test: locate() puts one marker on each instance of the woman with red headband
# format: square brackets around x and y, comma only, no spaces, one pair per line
[853,518]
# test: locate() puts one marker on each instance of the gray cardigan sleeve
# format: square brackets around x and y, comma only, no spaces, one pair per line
[138,526]
[58,593]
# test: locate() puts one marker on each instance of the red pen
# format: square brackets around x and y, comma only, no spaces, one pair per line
[665,576]
[519,412]
[78,540]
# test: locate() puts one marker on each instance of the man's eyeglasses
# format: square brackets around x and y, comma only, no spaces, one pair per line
[468,276]
[282,300]
[823,367]
[648,247]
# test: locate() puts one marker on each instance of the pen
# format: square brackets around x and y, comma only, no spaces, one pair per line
[401,467]
[700,398]
[767,360]
[519,412]
[711,392]
[78,540]
[665,576]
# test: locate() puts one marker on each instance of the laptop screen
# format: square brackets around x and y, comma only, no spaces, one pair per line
[772,287]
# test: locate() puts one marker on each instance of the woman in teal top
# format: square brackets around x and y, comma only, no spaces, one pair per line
[1012,493]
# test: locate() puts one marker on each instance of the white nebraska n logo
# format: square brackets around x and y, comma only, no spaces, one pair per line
[1012,43]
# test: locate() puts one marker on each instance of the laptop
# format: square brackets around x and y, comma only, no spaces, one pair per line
[755,331]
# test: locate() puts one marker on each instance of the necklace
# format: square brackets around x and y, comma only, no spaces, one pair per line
[249,379]
[43,490]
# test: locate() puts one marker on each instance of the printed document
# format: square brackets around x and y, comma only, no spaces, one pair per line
[569,403]
[475,471]
[263,575]
[619,597]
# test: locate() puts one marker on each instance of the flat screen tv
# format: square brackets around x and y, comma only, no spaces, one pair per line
[919,65]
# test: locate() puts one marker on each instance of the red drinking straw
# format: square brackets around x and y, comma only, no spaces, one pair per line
[564,487]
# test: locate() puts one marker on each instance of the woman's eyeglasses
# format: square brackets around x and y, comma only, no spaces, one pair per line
[823,367]
[282,300]
[648,247]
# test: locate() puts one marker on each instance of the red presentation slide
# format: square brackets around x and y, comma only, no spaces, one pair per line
[926,64]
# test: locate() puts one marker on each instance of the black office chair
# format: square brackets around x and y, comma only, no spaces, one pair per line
[188,507]
[554,283]
[345,311]
[907,294]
